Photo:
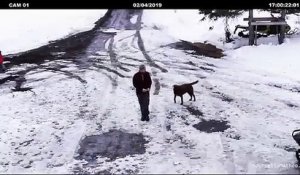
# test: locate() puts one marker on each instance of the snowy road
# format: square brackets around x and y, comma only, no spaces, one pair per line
[81,87]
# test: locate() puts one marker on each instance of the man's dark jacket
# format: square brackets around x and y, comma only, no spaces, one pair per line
[141,81]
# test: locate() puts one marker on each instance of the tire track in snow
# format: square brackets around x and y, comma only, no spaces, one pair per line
[152,64]
[156,83]
[99,112]
[96,46]
[113,57]
[148,58]
[105,109]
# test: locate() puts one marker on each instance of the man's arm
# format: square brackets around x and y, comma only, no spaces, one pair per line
[134,81]
[1,59]
[149,81]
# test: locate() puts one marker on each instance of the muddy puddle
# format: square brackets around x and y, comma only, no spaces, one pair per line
[210,126]
[113,144]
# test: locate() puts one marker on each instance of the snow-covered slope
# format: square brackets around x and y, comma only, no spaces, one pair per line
[278,60]
[27,29]
[187,25]
[281,60]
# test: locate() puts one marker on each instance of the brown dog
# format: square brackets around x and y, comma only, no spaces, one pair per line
[180,90]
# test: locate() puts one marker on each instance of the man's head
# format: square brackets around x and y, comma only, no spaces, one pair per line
[142,68]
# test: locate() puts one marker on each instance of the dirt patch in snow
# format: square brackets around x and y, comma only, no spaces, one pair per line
[286,87]
[208,50]
[194,111]
[222,96]
[210,126]
[112,144]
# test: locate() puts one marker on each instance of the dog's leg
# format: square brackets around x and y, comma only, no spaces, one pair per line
[182,100]
[194,97]
[191,97]
[174,98]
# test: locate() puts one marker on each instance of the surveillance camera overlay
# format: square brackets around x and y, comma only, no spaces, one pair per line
[68,103]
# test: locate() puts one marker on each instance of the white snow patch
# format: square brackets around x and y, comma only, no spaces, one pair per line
[280,60]
[133,19]
[187,25]
[26,29]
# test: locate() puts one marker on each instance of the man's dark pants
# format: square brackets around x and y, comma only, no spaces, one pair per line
[2,68]
[144,104]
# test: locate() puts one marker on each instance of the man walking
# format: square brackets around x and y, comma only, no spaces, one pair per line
[142,82]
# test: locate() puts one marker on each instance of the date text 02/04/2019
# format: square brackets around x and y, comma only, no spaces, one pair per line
[147,5]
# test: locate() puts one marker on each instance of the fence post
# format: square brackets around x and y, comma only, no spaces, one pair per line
[251,29]
[282,28]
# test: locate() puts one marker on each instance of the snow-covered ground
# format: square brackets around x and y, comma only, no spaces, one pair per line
[187,25]
[253,88]
[22,30]
[281,60]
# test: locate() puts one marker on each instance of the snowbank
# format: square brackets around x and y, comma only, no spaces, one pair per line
[22,30]
[279,60]
[268,57]
[182,24]
[187,25]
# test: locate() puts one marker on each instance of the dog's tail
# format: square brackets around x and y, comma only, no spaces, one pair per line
[194,82]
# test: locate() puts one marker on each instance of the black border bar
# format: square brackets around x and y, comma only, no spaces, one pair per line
[149,4]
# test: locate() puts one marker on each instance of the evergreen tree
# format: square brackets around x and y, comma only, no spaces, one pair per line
[215,14]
